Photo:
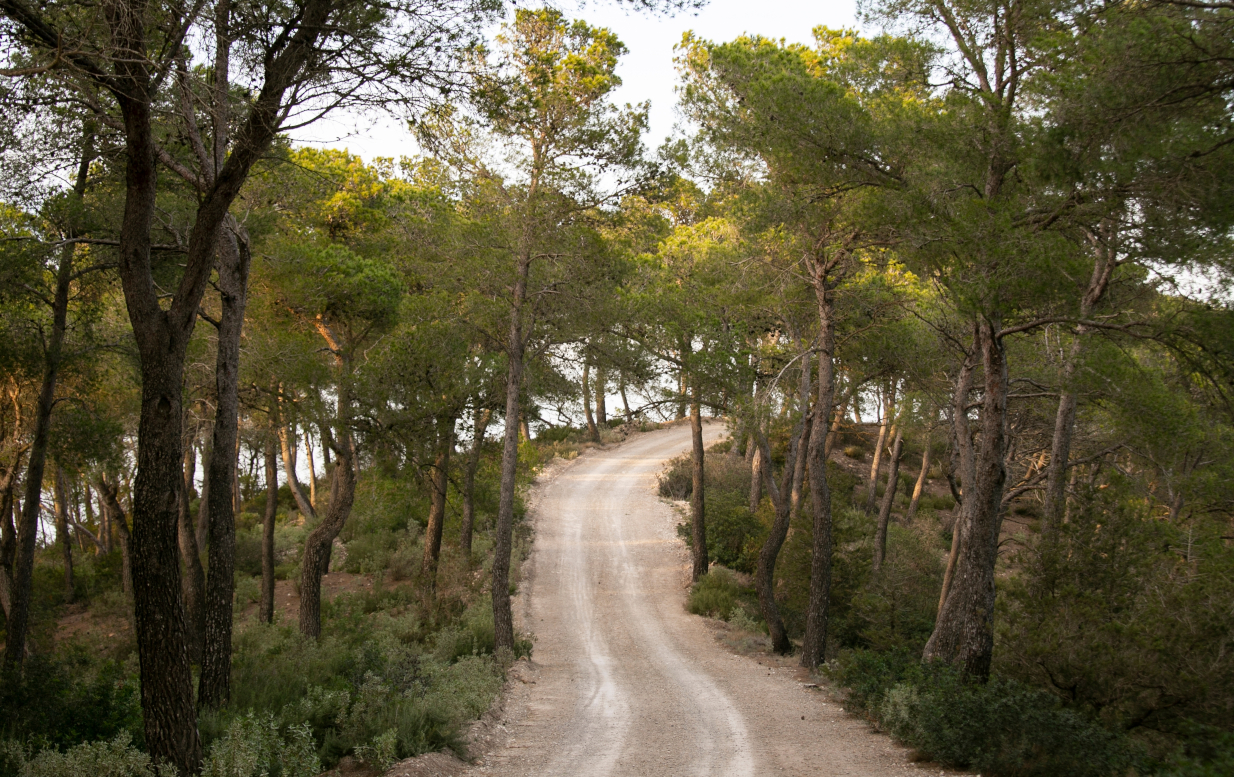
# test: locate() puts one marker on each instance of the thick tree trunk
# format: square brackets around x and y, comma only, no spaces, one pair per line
[964,633]
[316,559]
[814,644]
[265,611]
[194,579]
[214,685]
[698,518]
[876,464]
[439,482]
[919,486]
[479,424]
[503,619]
[592,430]
[63,538]
[889,495]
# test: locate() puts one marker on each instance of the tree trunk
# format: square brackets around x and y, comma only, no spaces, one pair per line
[592,430]
[8,534]
[28,522]
[889,495]
[814,644]
[964,633]
[439,481]
[876,464]
[785,502]
[214,685]
[963,452]
[601,406]
[919,487]
[63,538]
[1064,419]
[834,430]
[756,477]
[503,619]
[316,557]
[480,423]
[193,582]
[625,403]
[287,442]
[116,517]
[265,612]
[698,524]
[312,466]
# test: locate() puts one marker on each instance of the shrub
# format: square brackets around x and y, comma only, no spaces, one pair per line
[107,758]
[677,479]
[254,746]
[715,594]
[896,609]
[1002,728]
[66,700]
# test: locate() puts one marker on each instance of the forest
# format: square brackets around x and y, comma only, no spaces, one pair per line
[958,285]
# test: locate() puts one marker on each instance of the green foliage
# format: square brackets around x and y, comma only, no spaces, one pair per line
[1000,728]
[106,758]
[256,746]
[61,700]
[1126,615]
[896,609]
[719,594]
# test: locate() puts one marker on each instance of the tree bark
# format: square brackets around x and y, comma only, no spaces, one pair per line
[503,620]
[214,685]
[967,470]
[785,501]
[116,517]
[1064,419]
[312,466]
[919,486]
[625,403]
[265,611]
[756,477]
[8,534]
[17,626]
[480,423]
[601,407]
[964,633]
[698,518]
[287,442]
[439,482]
[63,538]
[592,430]
[317,546]
[814,643]
[889,495]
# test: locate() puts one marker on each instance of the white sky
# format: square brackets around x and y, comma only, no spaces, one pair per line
[647,71]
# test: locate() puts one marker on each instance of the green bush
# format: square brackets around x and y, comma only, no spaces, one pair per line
[107,758]
[716,594]
[60,701]
[254,746]
[1002,728]
[677,479]
[896,609]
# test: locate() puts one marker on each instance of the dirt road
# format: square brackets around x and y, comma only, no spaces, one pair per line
[624,680]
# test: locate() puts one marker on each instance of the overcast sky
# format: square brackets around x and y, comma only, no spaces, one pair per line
[647,71]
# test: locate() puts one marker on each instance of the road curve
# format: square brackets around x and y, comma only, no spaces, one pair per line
[624,680]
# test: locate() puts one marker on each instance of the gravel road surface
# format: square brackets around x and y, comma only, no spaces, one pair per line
[623,680]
